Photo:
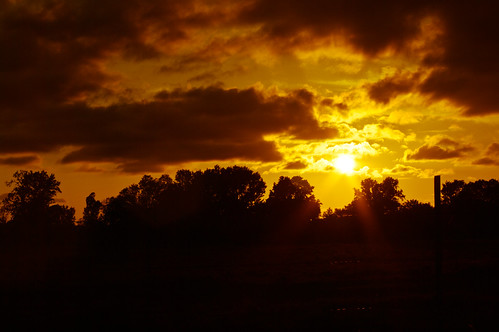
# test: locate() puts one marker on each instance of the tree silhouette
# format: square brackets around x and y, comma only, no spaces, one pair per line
[414,205]
[92,213]
[293,198]
[61,215]
[210,194]
[232,190]
[215,193]
[451,190]
[31,196]
[378,198]
[472,207]
[138,202]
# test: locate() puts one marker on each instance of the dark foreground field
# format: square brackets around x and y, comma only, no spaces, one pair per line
[289,286]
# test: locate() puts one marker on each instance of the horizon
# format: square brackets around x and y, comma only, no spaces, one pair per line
[429,191]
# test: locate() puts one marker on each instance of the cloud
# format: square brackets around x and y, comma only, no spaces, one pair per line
[380,132]
[403,117]
[459,60]
[201,124]
[55,51]
[493,150]
[491,156]
[486,162]
[466,72]
[444,148]
[388,88]
[407,171]
[19,160]
[366,25]
[299,164]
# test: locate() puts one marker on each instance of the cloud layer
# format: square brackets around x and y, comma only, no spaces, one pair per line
[58,90]
[178,126]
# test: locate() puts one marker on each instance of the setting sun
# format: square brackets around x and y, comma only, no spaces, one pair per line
[345,164]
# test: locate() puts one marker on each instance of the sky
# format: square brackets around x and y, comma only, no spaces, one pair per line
[102,92]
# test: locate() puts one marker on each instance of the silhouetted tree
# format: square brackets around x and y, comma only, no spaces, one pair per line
[61,215]
[378,198]
[473,207]
[92,213]
[328,214]
[293,198]
[138,202]
[233,190]
[450,191]
[414,210]
[215,192]
[211,194]
[31,196]
[413,205]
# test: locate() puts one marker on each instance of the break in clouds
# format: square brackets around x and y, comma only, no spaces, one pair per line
[54,57]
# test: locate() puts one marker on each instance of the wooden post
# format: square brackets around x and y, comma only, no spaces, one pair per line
[438,246]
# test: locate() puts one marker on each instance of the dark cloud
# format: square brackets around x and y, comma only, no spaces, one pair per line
[491,156]
[369,26]
[444,149]
[448,142]
[200,124]
[54,54]
[486,162]
[53,51]
[386,89]
[462,61]
[299,164]
[341,107]
[493,150]
[19,161]
[468,71]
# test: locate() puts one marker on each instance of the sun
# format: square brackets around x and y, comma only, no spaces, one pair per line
[345,164]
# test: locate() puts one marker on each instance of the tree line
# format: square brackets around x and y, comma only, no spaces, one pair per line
[233,197]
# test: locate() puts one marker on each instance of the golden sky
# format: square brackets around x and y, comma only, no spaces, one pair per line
[103,92]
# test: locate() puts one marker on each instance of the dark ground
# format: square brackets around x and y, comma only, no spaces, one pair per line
[342,286]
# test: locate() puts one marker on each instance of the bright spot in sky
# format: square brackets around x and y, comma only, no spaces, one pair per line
[345,164]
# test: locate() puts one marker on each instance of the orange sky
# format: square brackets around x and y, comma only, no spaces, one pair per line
[100,93]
